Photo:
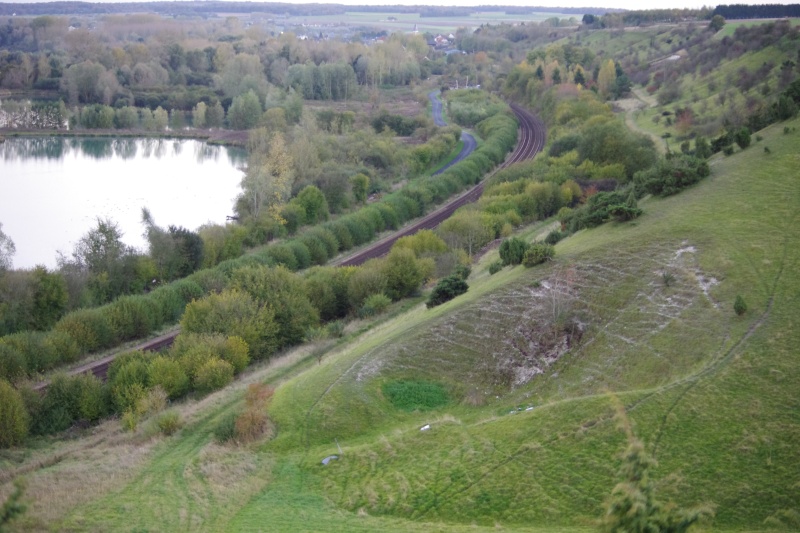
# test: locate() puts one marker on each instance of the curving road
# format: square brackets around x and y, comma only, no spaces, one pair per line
[469,141]
[531,138]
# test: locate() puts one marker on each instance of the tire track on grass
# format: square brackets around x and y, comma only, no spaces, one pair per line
[693,380]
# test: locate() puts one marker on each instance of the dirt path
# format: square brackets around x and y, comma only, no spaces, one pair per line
[631,105]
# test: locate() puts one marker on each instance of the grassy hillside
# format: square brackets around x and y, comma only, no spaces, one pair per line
[529,360]
[711,393]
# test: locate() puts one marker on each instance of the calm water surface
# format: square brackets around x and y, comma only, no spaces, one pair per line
[53,189]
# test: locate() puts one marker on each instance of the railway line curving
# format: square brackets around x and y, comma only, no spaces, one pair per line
[531,139]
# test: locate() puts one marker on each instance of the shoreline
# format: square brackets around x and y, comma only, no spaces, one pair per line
[235,138]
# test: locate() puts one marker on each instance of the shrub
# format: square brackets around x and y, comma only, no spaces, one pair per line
[133,317]
[234,313]
[90,328]
[670,176]
[447,289]
[728,150]
[251,425]
[335,328]
[538,253]
[495,267]
[151,402]
[12,363]
[129,383]
[739,306]
[94,401]
[368,279]
[236,352]
[554,237]
[168,374]
[462,271]
[130,420]
[169,422]
[742,137]
[512,251]
[374,305]
[60,406]
[212,375]
[225,430]
[403,273]
[26,357]
[13,416]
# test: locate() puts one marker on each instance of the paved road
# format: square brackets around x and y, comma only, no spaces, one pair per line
[469,141]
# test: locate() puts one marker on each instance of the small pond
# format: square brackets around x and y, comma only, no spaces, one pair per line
[52,189]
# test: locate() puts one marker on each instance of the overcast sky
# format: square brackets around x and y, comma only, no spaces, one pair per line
[621,4]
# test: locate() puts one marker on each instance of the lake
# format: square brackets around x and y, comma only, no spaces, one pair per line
[52,189]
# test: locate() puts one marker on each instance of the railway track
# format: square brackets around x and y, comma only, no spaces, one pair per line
[531,138]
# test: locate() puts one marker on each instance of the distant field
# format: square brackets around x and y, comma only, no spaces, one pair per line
[405,21]
[731,25]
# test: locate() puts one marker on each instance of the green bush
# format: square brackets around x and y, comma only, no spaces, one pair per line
[670,176]
[496,267]
[169,303]
[367,279]
[739,306]
[415,395]
[12,363]
[225,430]
[512,251]
[30,348]
[404,274]
[234,313]
[168,374]
[94,400]
[213,375]
[192,359]
[447,289]
[335,329]
[91,329]
[133,317]
[168,422]
[301,254]
[129,383]
[61,405]
[13,416]
[375,304]
[538,253]
[554,237]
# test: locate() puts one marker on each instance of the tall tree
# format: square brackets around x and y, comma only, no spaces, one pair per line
[267,184]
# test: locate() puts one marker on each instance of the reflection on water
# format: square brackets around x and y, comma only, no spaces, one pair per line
[55,148]
[52,189]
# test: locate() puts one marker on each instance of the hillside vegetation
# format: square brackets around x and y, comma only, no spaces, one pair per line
[668,314]
[712,394]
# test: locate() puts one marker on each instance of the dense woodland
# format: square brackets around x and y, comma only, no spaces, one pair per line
[330,168]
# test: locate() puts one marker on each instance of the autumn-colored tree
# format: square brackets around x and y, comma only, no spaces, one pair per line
[267,184]
[606,78]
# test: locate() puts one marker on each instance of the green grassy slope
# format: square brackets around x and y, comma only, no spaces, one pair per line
[713,395]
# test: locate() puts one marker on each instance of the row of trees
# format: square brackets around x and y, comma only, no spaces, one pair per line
[113,64]
[257,310]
